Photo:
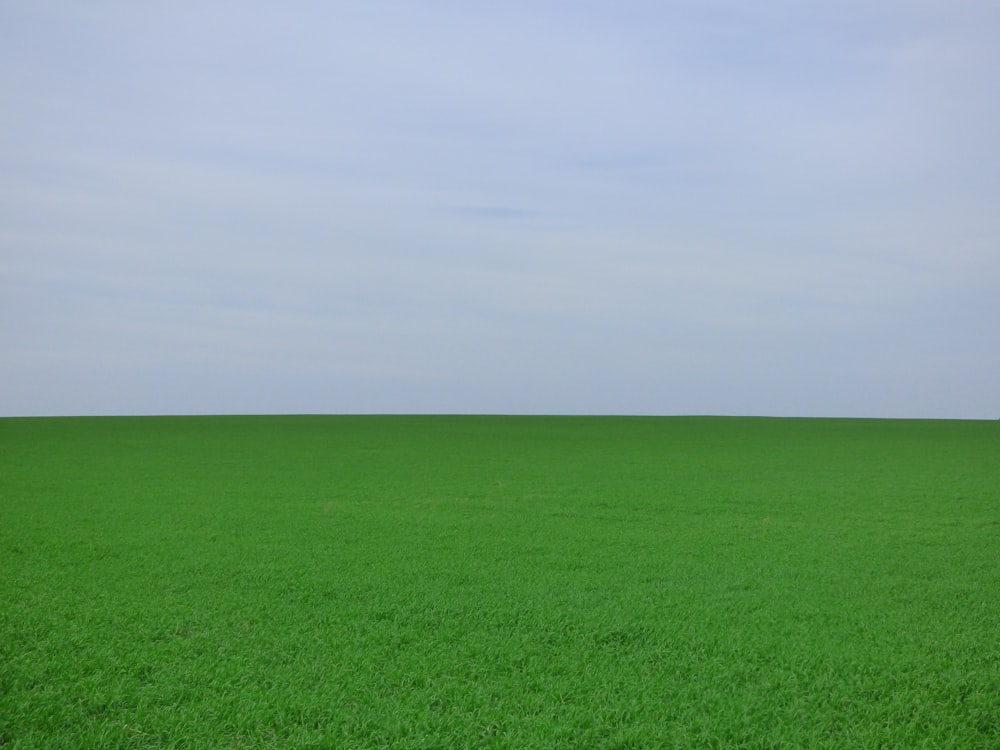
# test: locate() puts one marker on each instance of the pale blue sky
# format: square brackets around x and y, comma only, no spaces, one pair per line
[714,207]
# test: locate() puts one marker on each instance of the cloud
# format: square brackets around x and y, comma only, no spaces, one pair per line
[526,206]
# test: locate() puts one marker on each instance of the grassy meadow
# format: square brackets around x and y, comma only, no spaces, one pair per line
[499,582]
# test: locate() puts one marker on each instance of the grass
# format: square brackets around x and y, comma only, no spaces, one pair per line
[499,582]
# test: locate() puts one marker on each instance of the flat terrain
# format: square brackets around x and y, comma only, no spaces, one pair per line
[508,582]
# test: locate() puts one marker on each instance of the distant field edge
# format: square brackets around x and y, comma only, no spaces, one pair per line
[488,415]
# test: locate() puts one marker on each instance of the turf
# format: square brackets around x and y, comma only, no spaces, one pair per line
[508,582]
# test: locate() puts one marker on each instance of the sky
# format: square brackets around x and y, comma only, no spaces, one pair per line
[639,207]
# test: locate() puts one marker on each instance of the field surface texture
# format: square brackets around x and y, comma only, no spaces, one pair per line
[499,582]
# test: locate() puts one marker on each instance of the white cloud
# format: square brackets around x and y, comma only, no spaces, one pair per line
[513,207]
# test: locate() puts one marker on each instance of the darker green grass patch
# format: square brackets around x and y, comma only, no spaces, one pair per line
[255,582]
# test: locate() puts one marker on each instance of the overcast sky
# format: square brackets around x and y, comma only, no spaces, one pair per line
[535,206]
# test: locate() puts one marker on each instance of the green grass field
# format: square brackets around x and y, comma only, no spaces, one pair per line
[508,582]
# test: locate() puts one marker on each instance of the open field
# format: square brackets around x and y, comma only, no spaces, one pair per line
[509,582]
